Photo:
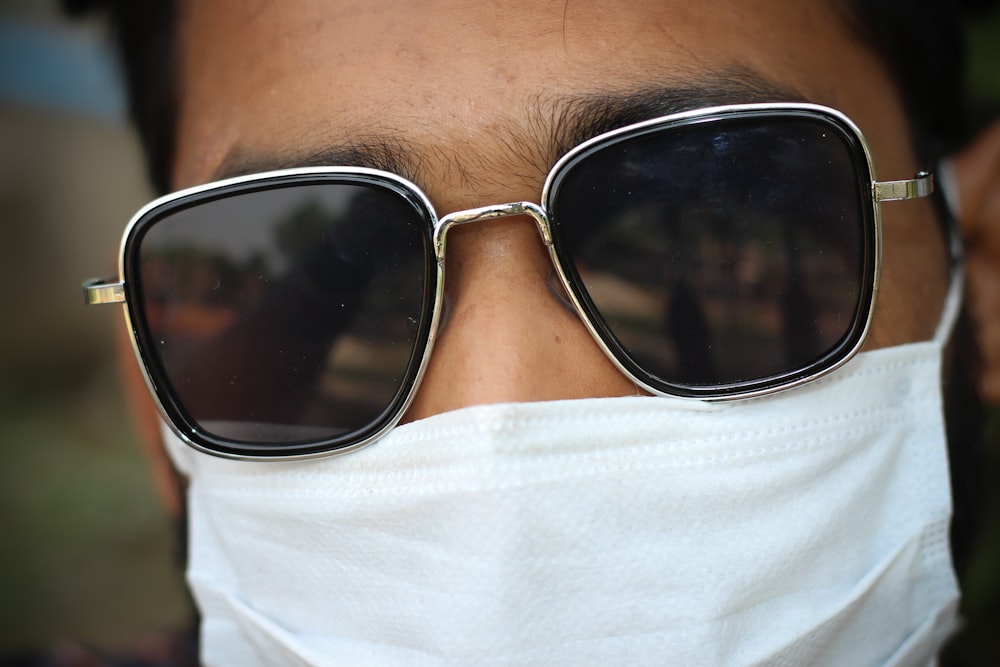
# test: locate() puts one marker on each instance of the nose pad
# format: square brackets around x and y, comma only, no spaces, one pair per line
[508,335]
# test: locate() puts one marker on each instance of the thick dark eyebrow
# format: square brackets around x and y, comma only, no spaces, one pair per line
[385,152]
[581,118]
[553,126]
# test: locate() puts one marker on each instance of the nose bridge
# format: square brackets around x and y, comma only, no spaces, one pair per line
[507,334]
[534,211]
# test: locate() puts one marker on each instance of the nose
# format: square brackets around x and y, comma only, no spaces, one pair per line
[508,334]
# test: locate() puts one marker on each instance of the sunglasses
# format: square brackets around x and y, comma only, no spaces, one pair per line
[723,253]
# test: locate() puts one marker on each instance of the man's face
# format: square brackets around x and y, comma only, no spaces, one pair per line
[480,98]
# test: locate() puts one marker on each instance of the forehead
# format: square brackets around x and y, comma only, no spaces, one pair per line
[464,80]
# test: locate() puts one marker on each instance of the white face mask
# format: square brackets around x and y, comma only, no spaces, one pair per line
[805,528]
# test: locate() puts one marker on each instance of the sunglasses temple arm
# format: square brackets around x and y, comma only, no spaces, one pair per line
[103,290]
[912,188]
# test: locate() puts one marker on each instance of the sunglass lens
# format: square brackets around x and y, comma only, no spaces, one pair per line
[281,314]
[721,255]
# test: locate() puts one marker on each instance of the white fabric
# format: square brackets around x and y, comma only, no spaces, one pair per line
[805,528]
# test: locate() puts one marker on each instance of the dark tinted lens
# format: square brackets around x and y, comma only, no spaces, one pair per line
[287,313]
[723,253]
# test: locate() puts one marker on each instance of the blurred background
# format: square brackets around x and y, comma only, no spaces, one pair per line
[86,553]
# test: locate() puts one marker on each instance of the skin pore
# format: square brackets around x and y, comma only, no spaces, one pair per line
[475,101]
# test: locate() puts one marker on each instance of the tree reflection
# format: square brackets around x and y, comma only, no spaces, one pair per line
[314,329]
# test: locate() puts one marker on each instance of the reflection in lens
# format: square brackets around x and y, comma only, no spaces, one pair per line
[718,253]
[286,314]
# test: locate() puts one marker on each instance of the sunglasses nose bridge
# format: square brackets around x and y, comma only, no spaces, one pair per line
[534,211]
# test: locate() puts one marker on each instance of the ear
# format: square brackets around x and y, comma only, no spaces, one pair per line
[975,200]
[146,420]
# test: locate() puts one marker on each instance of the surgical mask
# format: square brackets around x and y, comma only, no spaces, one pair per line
[804,528]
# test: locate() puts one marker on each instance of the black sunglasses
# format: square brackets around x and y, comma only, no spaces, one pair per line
[723,253]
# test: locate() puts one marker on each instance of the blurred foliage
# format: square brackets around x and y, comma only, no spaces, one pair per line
[89,554]
[978,644]
[983,63]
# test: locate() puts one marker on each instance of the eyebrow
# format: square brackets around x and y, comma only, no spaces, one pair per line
[552,127]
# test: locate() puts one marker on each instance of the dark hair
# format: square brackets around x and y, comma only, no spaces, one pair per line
[922,44]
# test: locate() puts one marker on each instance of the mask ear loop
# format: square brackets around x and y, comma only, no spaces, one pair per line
[946,204]
[947,183]
[963,412]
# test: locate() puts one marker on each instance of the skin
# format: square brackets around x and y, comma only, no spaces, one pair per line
[469,88]
[977,171]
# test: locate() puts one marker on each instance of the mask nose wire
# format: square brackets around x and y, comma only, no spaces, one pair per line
[534,211]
